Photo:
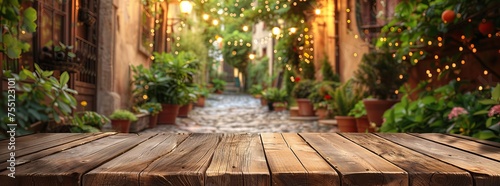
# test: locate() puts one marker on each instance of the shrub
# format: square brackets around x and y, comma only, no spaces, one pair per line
[123,115]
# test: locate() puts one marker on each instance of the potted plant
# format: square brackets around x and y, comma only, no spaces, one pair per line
[382,75]
[166,82]
[218,85]
[320,95]
[121,119]
[88,121]
[301,91]
[203,93]
[359,112]
[277,98]
[344,99]
[153,108]
[256,91]
[187,103]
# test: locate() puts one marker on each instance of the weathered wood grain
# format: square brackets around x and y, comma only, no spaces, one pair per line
[68,166]
[422,170]
[483,170]
[27,155]
[467,145]
[319,172]
[295,163]
[356,165]
[185,165]
[238,160]
[35,140]
[126,168]
[491,143]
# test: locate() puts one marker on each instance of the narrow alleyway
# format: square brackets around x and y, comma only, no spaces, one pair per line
[238,114]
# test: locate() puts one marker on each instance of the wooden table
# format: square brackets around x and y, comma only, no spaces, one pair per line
[251,159]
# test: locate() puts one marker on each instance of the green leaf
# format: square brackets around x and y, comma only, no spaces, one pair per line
[495,95]
[486,134]
[71,54]
[481,112]
[64,78]
[489,122]
[30,14]
[487,102]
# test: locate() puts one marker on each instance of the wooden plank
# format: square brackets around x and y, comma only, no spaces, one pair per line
[293,162]
[26,147]
[126,168]
[319,171]
[37,139]
[422,170]
[491,143]
[356,165]
[467,145]
[22,158]
[185,165]
[483,170]
[68,166]
[286,169]
[238,160]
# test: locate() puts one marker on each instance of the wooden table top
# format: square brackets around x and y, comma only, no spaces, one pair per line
[251,159]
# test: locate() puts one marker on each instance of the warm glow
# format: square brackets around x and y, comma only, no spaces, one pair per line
[251,56]
[245,28]
[317,11]
[276,31]
[186,7]
[293,30]
[215,22]
[205,17]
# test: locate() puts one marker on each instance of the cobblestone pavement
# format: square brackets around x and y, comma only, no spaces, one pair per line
[238,114]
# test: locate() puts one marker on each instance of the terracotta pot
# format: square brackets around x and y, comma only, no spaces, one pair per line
[121,125]
[305,107]
[263,101]
[184,110]
[375,109]
[153,120]
[201,101]
[363,125]
[168,114]
[218,91]
[346,123]
[279,106]
[322,113]
[294,111]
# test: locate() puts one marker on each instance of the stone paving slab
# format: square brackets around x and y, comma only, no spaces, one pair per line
[225,113]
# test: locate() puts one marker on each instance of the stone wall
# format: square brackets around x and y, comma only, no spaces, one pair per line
[118,49]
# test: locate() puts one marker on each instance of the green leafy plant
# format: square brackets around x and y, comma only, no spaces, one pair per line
[274,94]
[345,98]
[14,21]
[327,71]
[359,110]
[303,88]
[219,84]
[444,110]
[255,90]
[152,107]
[381,74]
[88,121]
[320,94]
[43,98]
[121,114]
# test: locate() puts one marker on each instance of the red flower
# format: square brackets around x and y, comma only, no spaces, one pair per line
[328,97]
[297,79]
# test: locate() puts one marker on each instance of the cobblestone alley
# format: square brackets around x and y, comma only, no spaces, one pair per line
[230,113]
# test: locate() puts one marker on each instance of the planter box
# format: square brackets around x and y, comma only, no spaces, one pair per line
[141,123]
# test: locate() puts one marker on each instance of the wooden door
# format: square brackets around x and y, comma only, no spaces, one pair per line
[86,41]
